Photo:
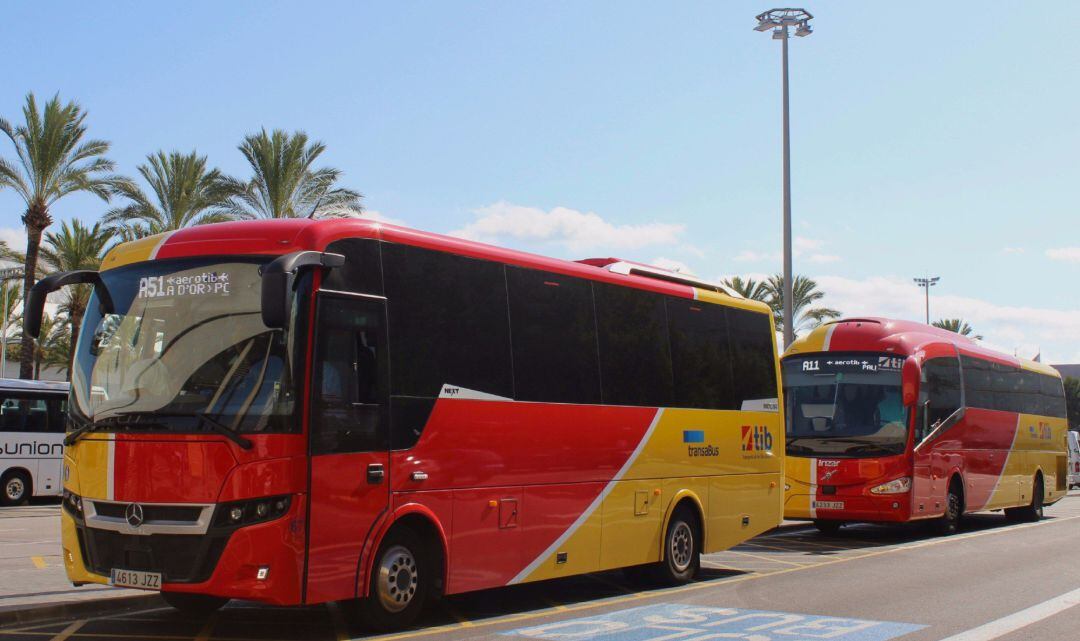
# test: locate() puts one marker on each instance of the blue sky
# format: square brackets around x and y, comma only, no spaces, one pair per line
[924,140]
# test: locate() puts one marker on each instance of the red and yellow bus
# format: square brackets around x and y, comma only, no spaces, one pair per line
[893,421]
[300,411]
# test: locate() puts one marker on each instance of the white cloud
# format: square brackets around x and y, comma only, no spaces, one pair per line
[1025,330]
[672,265]
[801,247]
[570,228]
[1014,251]
[373,214]
[1065,254]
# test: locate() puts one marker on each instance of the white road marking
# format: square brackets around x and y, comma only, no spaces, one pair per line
[1017,620]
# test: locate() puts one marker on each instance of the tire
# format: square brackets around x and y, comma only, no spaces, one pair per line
[682,548]
[15,489]
[194,604]
[1033,512]
[401,582]
[831,528]
[949,523]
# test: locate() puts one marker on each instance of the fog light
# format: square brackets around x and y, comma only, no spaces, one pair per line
[895,505]
[262,573]
[235,514]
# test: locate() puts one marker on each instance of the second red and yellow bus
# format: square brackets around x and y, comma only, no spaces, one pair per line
[895,421]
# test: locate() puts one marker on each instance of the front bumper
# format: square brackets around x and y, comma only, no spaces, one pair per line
[224,566]
[885,508]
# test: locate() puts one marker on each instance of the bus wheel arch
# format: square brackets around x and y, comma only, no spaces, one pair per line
[685,500]
[16,486]
[425,525]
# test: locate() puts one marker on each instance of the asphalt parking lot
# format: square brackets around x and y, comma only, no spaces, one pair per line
[868,583]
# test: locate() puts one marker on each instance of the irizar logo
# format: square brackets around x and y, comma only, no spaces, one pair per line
[756,438]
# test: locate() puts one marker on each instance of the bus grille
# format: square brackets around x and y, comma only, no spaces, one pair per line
[180,558]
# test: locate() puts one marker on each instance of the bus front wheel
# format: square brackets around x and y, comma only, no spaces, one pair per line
[831,528]
[15,488]
[195,604]
[400,582]
[949,522]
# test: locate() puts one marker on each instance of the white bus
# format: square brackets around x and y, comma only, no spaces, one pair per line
[32,416]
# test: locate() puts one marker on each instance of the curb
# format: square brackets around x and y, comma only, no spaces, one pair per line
[78,609]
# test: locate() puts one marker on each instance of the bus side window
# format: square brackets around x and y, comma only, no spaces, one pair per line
[349,409]
[941,387]
[57,409]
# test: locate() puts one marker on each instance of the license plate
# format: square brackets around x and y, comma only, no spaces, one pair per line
[135,579]
[829,505]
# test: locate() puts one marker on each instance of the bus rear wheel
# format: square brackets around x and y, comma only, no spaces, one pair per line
[682,548]
[1032,512]
[401,581]
[15,488]
[195,604]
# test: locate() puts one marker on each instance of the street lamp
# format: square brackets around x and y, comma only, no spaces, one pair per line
[779,20]
[10,273]
[927,283]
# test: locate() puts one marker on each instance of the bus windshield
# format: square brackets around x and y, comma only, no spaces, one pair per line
[844,405]
[185,350]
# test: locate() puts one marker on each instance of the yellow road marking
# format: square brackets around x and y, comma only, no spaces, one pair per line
[341,631]
[208,627]
[38,562]
[657,594]
[70,630]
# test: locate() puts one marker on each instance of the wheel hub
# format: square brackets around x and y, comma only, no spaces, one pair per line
[14,488]
[682,546]
[398,578]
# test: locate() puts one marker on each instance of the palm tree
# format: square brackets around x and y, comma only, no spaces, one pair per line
[805,293]
[76,246]
[183,193]
[51,347]
[284,184]
[753,289]
[959,326]
[53,160]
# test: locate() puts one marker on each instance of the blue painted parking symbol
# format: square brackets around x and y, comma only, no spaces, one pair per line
[676,622]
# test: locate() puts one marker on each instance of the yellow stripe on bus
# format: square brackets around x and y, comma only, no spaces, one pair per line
[135,251]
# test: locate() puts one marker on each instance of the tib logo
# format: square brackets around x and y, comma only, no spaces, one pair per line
[756,438]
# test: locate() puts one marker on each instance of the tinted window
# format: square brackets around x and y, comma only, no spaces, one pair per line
[941,385]
[349,409]
[700,355]
[362,271]
[635,359]
[753,348]
[28,412]
[448,323]
[1006,387]
[978,388]
[553,328]
[1053,395]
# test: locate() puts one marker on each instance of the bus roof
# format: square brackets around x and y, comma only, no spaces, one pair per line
[275,237]
[20,385]
[901,337]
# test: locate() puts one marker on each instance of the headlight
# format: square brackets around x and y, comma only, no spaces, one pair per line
[897,486]
[73,504]
[251,511]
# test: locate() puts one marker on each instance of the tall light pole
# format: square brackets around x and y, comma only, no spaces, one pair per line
[927,283]
[778,20]
[10,273]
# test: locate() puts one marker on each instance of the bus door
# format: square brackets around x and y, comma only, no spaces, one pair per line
[940,407]
[349,440]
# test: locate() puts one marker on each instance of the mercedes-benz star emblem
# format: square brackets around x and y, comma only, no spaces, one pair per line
[134,515]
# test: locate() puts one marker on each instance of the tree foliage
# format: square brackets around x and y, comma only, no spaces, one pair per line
[958,326]
[53,159]
[1072,401]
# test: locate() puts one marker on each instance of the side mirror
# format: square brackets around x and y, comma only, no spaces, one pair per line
[910,381]
[277,282]
[35,300]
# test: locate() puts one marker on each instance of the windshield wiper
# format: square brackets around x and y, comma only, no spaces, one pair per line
[224,430]
[84,427]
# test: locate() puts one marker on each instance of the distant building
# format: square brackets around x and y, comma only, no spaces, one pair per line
[1068,371]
